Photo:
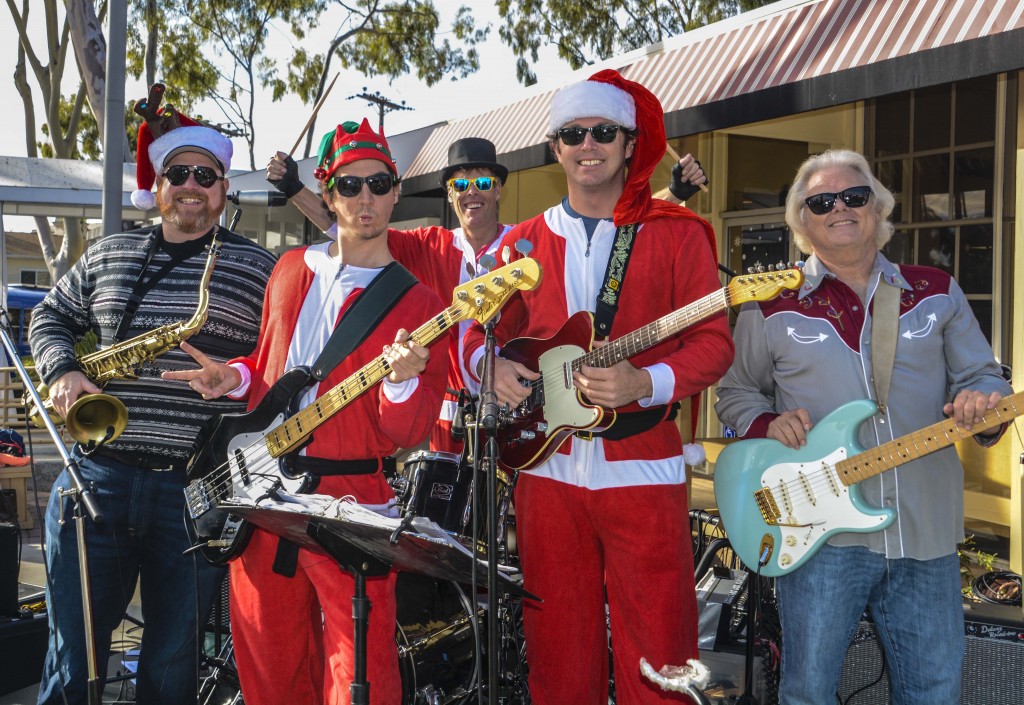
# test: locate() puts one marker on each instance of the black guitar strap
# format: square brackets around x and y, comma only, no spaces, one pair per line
[615,273]
[361,318]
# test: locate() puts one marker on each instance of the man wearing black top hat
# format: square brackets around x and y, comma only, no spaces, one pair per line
[441,258]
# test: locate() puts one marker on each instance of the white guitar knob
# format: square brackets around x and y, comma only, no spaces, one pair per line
[785,559]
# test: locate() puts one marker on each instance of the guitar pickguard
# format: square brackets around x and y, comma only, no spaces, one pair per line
[812,504]
[562,407]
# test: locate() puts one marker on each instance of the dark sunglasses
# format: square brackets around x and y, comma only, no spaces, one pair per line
[482,183]
[602,134]
[853,197]
[206,176]
[349,186]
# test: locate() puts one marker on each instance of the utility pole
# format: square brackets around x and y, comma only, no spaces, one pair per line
[384,105]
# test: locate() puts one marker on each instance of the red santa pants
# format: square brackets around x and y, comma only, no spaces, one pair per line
[293,636]
[577,544]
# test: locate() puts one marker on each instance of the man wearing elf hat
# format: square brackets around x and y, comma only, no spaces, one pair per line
[284,651]
[606,516]
[440,258]
[126,285]
[444,259]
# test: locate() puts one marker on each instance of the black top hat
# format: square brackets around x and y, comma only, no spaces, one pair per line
[472,153]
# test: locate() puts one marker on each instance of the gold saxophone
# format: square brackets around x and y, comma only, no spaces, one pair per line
[100,418]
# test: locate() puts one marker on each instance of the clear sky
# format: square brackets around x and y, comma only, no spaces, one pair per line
[278,124]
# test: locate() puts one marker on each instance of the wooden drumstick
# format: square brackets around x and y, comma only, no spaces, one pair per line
[312,117]
[675,158]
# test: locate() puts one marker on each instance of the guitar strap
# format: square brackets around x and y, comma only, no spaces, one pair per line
[362,317]
[885,328]
[615,273]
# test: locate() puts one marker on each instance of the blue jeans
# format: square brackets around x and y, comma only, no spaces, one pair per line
[142,539]
[918,614]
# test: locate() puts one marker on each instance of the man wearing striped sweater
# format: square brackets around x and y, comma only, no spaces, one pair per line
[125,285]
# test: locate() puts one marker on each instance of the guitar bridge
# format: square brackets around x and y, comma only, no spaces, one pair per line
[767,505]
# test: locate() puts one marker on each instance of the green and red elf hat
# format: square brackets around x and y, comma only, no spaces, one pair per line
[349,143]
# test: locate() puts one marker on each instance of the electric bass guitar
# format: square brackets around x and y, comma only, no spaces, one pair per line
[555,409]
[778,505]
[245,457]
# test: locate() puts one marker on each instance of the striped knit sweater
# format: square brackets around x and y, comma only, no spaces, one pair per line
[164,417]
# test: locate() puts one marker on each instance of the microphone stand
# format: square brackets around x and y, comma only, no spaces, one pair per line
[489,413]
[83,498]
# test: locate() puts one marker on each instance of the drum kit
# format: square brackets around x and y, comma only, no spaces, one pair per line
[439,645]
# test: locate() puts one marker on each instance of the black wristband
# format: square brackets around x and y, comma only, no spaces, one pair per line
[289,184]
[683,190]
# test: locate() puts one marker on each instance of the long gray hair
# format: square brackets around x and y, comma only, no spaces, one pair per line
[882,199]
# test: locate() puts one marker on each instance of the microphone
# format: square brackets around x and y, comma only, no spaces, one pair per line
[489,411]
[259,199]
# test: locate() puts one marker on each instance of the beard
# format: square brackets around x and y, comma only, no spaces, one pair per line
[187,222]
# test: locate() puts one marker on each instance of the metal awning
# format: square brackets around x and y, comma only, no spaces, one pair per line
[797,43]
[59,188]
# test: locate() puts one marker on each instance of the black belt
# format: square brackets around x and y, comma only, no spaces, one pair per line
[632,423]
[324,467]
[143,462]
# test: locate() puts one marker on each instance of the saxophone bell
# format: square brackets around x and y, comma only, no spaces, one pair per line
[94,419]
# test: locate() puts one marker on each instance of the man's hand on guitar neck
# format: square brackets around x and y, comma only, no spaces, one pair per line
[970,406]
[790,428]
[406,357]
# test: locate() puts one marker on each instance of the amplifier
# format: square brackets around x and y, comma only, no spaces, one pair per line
[720,595]
[8,569]
[23,644]
[993,661]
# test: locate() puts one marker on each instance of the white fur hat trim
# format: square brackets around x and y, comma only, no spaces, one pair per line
[592,99]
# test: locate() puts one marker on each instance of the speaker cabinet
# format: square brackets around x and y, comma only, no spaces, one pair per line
[8,570]
[993,662]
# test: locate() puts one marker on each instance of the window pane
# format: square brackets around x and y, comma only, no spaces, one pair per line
[976,259]
[892,125]
[973,179]
[760,245]
[931,118]
[931,188]
[761,170]
[976,110]
[900,249]
[937,248]
[890,173]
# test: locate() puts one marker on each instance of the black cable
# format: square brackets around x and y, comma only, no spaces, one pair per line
[998,587]
[872,684]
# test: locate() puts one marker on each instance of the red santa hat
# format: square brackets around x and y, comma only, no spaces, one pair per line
[164,133]
[349,142]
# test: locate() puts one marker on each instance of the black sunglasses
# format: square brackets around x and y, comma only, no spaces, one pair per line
[482,183]
[602,134]
[349,186]
[853,197]
[206,176]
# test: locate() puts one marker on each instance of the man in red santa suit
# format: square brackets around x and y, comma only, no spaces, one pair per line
[607,516]
[293,634]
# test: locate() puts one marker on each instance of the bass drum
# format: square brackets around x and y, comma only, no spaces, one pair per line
[435,642]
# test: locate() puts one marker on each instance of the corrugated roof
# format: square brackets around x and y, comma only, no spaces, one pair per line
[779,44]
